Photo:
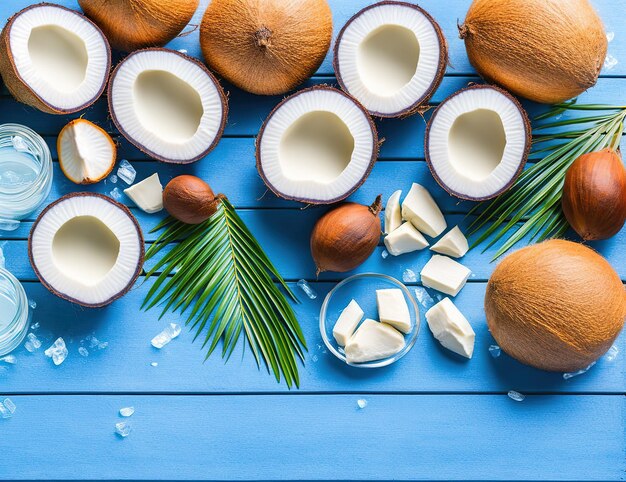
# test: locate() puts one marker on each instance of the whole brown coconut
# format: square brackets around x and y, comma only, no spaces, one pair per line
[189,199]
[544,50]
[556,306]
[135,24]
[266,47]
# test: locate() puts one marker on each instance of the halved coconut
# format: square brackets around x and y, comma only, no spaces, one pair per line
[317,146]
[54,58]
[391,56]
[167,104]
[86,152]
[87,249]
[477,142]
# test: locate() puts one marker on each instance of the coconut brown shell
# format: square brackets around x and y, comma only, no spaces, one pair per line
[266,47]
[135,24]
[544,50]
[20,89]
[556,306]
[189,199]
[139,263]
[419,105]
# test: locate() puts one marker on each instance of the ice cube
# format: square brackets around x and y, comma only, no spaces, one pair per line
[361,403]
[9,405]
[32,303]
[314,358]
[127,411]
[424,298]
[610,62]
[126,172]
[122,429]
[9,360]
[82,351]
[34,326]
[4,412]
[494,351]
[116,194]
[168,334]
[113,179]
[154,364]
[58,351]
[409,276]
[94,344]
[611,354]
[306,287]
[19,144]
[568,375]
[384,254]
[32,343]
[517,396]
[9,224]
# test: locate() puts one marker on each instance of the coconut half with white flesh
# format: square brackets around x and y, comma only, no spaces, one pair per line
[167,104]
[391,57]
[317,146]
[54,59]
[477,142]
[86,248]
[86,152]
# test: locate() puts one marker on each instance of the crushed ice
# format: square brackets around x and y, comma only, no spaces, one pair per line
[567,376]
[122,429]
[154,364]
[126,172]
[116,194]
[409,276]
[34,326]
[90,342]
[517,396]
[82,351]
[32,343]
[113,179]
[424,298]
[361,403]
[384,254]
[306,287]
[610,62]
[495,351]
[32,303]
[127,411]
[170,332]
[58,351]
[611,354]
[7,408]
[9,360]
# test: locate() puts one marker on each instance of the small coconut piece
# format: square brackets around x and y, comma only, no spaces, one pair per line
[405,239]
[135,24]
[317,146]
[86,248]
[54,59]
[451,328]
[421,210]
[167,104]
[147,194]
[391,56]
[444,274]
[453,243]
[393,213]
[266,47]
[86,152]
[477,142]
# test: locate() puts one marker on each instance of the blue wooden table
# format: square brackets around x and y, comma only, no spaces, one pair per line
[430,416]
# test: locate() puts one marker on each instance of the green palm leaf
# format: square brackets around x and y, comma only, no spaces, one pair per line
[217,274]
[533,205]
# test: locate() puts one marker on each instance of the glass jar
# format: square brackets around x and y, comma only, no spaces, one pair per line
[25,173]
[14,312]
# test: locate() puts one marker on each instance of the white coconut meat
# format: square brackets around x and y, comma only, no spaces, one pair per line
[477,142]
[391,57]
[317,146]
[86,248]
[167,104]
[59,55]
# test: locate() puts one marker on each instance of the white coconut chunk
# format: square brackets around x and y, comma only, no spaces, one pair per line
[147,194]
[349,319]
[167,104]
[453,243]
[373,341]
[444,274]
[87,249]
[477,142]
[390,57]
[86,152]
[421,210]
[317,146]
[393,213]
[451,328]
[393,309]
[405,239]
[62,57]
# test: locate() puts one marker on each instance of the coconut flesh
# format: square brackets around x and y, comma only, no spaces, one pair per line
[54,59]
[86,248]
[391,57]
[317,146]
[167,104]
[477,142]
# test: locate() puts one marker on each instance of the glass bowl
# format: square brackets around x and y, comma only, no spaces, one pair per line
[362,288]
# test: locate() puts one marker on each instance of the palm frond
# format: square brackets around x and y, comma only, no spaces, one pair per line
[219,277]
[532,207]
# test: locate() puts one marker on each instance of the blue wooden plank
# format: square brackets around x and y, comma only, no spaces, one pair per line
[125,365]
[486,437]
